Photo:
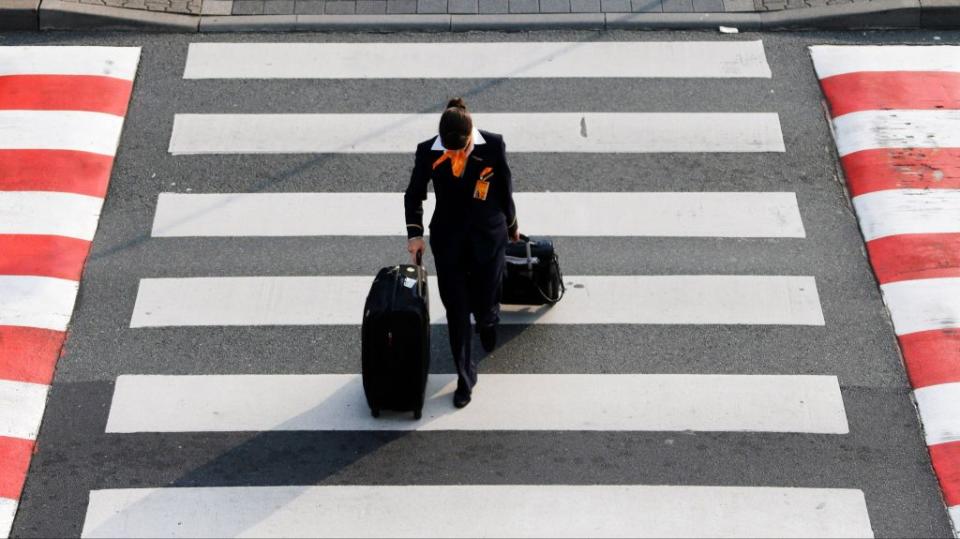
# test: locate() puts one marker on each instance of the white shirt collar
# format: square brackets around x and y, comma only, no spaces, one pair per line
[477,140]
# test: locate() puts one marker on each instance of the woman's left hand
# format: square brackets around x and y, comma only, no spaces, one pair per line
[515,236]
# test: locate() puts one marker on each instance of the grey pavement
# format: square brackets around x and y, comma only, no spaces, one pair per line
[883,455]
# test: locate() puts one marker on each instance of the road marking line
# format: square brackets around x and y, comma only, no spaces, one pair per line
[938,407]
[589,132]
[908,211]
[491,510]
[117,62]
[872,129]
[831,60]
[8,508]
[752,215]
[94,132]
[923,304]
[339,300]
[21,408]
[581,402]
[710,59]
[49,213]
[39,302]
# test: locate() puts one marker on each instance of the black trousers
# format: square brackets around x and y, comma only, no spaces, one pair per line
[470,272]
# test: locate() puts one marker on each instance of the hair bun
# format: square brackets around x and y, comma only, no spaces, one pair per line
[458,103]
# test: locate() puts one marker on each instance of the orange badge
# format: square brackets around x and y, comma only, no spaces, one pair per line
[480,191]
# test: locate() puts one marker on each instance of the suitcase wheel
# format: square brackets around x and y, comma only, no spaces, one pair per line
[417,414]
[374,412]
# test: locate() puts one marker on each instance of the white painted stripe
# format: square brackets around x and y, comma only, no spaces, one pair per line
[872,129]
[41,302]
[94,132]
[556,214]
[490,510]
[710,59]
[939,407]
[923,304]
[831,60]
[339,300]
[8,508]
[21,408]
[908,211]
[49,213]
[955,518]
[117,62]
[607,402]
[589,132]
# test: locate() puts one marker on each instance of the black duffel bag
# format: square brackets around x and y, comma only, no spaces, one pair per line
[533,273]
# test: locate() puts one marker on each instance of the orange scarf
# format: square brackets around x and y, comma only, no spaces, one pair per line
[458,158]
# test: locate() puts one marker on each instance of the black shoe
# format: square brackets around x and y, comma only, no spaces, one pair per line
[461,398]
[488,338]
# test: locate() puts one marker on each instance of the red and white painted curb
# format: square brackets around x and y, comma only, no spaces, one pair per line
[896,116]
[61,113]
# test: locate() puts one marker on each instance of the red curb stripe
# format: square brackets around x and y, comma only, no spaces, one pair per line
[932,357]
[946,462]
[911,168]
[15,456]
[65,92]
[29,354]
[64,171]
[886,90]
[43,256]
[915,256]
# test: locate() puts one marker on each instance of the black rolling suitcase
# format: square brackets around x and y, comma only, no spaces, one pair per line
[533,273]
[395,340]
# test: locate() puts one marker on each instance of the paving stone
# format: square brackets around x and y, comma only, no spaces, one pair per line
[217,7]
[463,6]
[340,7]
[248,7]
[397,7]
[615,6]
[489,7]
[309,7]
[585,6]
[708,6]
[524,6]
[277,7]
[371,7]
[677,6]
[431,6]
[554,6]
[648,6]
[738,5]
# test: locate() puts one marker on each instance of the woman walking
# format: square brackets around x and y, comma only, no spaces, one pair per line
[473,220]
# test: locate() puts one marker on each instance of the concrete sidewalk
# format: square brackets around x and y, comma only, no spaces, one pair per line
[463,15]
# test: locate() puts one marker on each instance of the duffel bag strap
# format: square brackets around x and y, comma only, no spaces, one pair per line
[563,287]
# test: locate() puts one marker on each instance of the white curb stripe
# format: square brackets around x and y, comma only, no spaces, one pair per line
[908,211]
[955,518]
[491,510]
[594,402]
[923,304]
[116,62]
[872,129]
[938,405]
[339,300]
[41,302]
[831,60]
[486,60]
[524,132]
[49,213]
[21,408]
[94,132]
[8,508]
[555,214]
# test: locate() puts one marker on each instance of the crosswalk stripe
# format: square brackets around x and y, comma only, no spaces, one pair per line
[938,405]
[40,302]
[339,300]
[489,510]
[49,213]
[872,129]
[923,304]
[831,60]
[21,408]
[117,62]
[709,59]
[94,132]
[556,214]
[908,211]
[583,402]
[8,508]
[590,132]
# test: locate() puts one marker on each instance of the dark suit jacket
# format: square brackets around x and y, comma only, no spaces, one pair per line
[458,214]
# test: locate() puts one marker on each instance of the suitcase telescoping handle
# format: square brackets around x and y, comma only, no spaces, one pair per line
[419,258]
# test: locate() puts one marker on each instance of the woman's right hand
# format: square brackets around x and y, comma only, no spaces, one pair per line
[414,246]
